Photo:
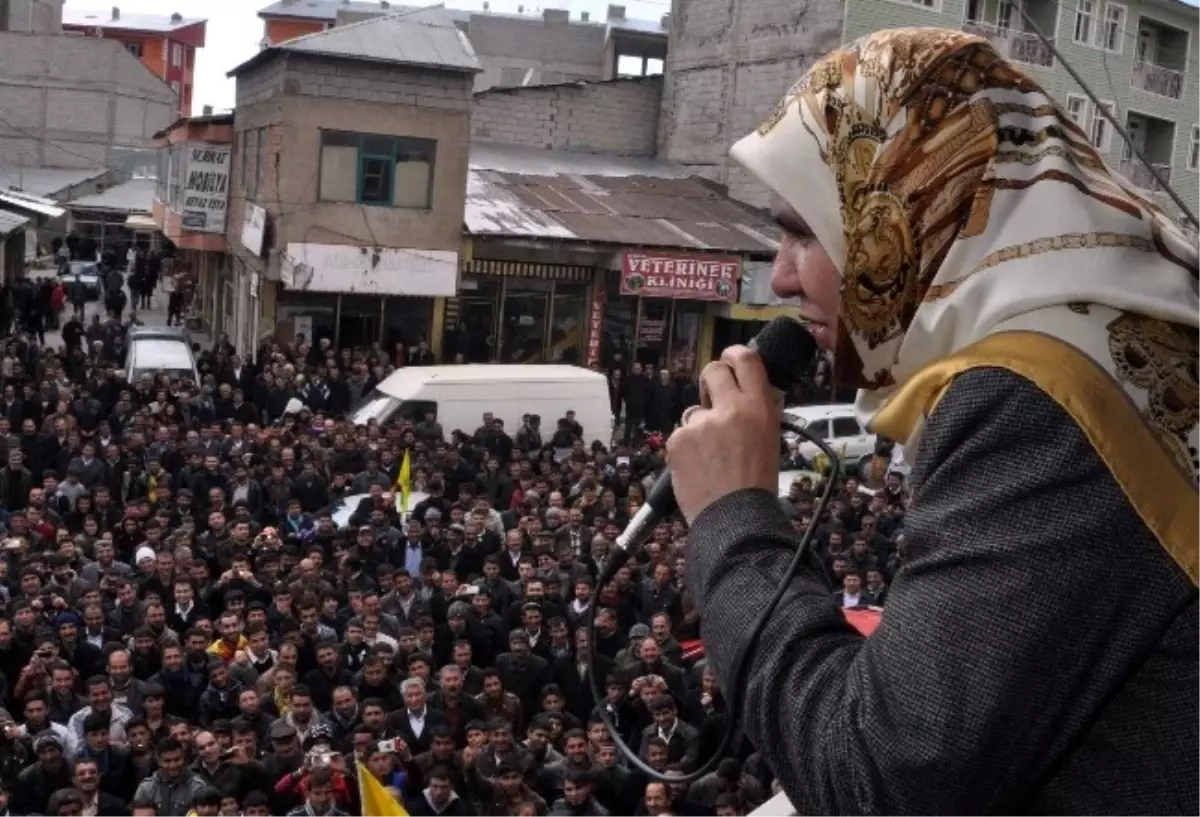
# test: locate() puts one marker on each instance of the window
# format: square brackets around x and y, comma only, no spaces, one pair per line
[845,427]
[1194,149]
[134,48]
[250,163]
[387,171]
[1077,109]
[1085,11]
[1112,33]
[925,4]
[1101,131]
[177,55]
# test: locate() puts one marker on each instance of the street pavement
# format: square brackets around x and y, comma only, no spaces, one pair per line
[156,315]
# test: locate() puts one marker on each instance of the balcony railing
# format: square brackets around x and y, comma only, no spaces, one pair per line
[1019,46]
[1158,80]
[1141,177]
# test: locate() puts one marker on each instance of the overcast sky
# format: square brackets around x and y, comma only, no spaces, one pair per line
[234,30]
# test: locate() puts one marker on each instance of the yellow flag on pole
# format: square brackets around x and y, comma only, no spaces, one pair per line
[404,483]
[377,801]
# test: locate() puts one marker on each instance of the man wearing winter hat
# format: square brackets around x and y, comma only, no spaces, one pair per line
[37,784]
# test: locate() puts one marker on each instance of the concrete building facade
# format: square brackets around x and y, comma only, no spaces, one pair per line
[728,64]
[348,183]
[547,47]
[573,116]
[165,43]
[1138,56]
[77,102]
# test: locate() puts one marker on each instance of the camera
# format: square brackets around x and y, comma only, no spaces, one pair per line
[388,746]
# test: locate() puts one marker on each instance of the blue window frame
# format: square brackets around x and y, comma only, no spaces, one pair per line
[377,170]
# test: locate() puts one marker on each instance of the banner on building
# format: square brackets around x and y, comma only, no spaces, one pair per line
[596,324]
[673,275]
[206,188]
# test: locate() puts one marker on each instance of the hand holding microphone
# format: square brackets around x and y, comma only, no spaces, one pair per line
[731,441]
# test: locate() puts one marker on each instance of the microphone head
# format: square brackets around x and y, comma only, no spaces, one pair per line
[787,350]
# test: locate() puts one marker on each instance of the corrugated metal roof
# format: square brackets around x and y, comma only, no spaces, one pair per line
[31,203]
[45,181]
[126,22]
[425,37]
[10,222]
[523,192]
[136,196]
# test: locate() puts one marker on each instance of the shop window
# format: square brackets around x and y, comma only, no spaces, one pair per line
[685,335]
[652,333]
[568,324]
[385,171]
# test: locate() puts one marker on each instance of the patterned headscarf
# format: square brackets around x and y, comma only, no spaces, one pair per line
[958,201]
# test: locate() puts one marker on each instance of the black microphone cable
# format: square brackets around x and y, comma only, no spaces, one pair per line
[734,695]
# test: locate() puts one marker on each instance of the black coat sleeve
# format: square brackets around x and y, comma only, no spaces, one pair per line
[1031,595]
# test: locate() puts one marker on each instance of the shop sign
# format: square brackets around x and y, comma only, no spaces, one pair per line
[690,277]
[369,270]
[596,325]
[206,188]
[253,226]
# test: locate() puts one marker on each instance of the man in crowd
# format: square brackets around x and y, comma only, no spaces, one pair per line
[255,648]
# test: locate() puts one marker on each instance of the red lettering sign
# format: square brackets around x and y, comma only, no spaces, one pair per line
[692,277]
[596,325]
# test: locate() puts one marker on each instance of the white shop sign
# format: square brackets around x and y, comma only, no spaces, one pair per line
[369,270]
[253,225]
[205,188]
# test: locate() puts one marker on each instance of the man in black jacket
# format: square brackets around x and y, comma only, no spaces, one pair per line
[637,400]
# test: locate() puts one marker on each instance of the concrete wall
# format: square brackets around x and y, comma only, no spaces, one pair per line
[313,94]
[620,116]
[729,63]
[31,16]
[556,50]
[1108,74]
[547,48]
[66,101]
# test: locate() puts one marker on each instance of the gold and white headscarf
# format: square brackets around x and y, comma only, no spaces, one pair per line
[965,211]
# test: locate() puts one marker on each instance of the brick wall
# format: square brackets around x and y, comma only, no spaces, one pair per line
[605,117]
[68,100]
[729,63]
[384,84]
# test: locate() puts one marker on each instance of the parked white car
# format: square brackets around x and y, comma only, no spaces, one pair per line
[836,424]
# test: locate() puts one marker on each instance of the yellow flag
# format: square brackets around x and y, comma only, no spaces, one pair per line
[404,483]
[377,801]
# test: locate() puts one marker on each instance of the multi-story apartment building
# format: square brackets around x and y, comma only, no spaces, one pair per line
[1139,57]
[165,43]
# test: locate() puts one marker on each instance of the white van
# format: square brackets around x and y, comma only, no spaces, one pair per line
[460,395]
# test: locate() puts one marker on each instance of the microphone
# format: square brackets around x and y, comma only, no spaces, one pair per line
[786,349]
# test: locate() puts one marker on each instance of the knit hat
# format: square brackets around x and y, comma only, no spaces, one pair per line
[46,738]
[458,609]
[639,631]
[143,552]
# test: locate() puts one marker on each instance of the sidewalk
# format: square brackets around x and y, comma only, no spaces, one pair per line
[156,315]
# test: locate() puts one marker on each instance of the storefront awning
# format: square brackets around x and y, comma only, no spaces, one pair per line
[141,223]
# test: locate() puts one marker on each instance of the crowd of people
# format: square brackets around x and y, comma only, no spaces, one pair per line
[187,629]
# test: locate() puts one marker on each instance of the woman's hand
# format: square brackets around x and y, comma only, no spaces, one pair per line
[732,442]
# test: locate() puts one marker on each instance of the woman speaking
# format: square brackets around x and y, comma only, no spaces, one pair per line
[1025,324]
